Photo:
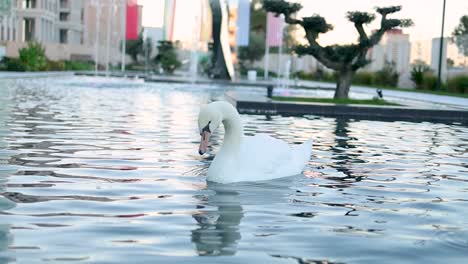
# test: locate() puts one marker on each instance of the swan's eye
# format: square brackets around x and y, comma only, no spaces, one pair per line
[207,128]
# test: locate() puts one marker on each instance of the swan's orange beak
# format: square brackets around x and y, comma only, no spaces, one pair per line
[205,138]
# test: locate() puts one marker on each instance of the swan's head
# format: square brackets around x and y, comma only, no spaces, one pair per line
[209,120]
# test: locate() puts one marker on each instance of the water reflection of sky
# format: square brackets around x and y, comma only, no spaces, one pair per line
[106,172]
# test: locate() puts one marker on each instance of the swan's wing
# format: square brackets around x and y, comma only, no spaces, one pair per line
[270,158]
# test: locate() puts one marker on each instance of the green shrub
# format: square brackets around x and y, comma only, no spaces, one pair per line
[388,76]
[33,57]
[78,66]
[363,78]
[458,84]
[429,81]
[417,74]
[55,66]
[13,64]
[318,75]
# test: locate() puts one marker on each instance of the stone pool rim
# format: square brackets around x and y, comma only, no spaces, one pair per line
[264,105]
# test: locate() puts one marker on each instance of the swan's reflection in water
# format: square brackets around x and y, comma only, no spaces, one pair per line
[218,230]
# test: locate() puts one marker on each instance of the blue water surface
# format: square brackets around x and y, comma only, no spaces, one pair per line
[106,171]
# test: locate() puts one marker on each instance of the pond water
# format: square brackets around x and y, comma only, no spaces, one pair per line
[107,171]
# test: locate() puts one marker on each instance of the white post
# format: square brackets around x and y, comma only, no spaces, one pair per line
[96,42]
[280,52]
[124,32]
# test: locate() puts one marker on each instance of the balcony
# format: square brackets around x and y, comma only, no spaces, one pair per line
[64,17]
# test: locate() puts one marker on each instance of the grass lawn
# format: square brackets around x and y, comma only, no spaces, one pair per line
[333,101]
[409,90]
[424,91]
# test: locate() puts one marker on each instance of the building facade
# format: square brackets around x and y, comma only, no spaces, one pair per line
[68,29]
[395,48]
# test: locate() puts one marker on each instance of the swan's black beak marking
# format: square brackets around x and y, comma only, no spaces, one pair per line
[207,128]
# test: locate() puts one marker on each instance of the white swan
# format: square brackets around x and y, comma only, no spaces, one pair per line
[246,158]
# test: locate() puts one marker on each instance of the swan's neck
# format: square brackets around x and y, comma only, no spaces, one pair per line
[233,131]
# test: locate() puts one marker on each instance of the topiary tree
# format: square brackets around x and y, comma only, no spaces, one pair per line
[344,59]
[167,57]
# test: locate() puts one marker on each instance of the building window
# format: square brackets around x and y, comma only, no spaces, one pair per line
[63,36]
[28,29]
[64,16]
[29,3]
[64,4]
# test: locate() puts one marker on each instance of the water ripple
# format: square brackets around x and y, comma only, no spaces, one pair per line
[106,170]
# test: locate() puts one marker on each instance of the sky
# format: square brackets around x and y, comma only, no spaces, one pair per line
[426,15]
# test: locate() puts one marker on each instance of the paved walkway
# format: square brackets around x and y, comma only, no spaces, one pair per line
[455,102]
[438,101]
[21,75]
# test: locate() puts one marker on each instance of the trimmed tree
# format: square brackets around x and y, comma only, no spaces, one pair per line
[344,59]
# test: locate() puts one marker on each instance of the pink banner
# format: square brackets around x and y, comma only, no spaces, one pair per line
[132,19]
[274,30]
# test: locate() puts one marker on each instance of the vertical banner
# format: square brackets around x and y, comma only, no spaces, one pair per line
[274,30]
[132,20]
[205,21]
[243,23]
[169,16]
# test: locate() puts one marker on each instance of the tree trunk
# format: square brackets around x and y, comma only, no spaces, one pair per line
[343,84]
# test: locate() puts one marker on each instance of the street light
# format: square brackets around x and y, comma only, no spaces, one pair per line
[441,45]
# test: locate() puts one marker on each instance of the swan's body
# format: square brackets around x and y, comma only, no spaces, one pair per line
[247,158]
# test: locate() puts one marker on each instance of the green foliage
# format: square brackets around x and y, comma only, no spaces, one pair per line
[458,84]
[281,7]
[12,64]
[364,78]
[33,57]
[260,71]
[418,70]
[319,75]
[257,17]
[460,35]
[205,64]
[333,101]
[429,81]
[167,57]
[316,23]
[388,10]
[388,76]
[55,65]
[255,50]
[78,65]
[134,47]
[360,17]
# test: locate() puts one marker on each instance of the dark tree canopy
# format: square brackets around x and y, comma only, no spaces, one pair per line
[460,35]
[345,59]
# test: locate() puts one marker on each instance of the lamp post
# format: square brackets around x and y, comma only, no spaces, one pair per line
[124,28]
[441,46]
[96,41]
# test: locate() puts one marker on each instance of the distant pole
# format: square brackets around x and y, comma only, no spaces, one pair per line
[110,12]
[96,42]
[267,52]
[124,32]
[441,46]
